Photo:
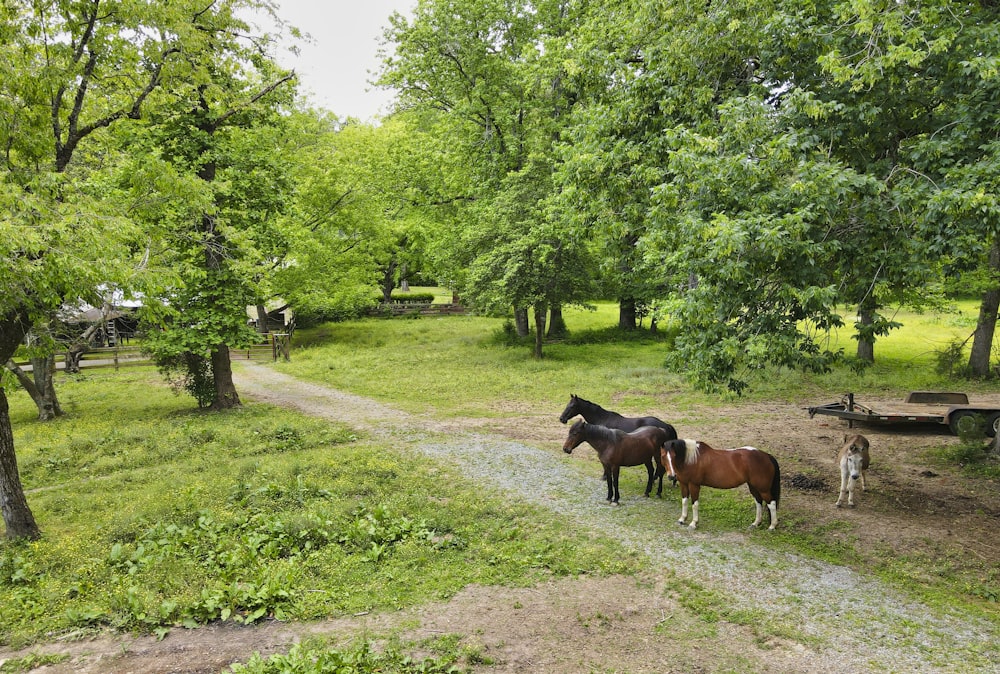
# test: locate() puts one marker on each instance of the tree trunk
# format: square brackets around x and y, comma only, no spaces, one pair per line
[73,356]
[626,313]
[389,281]
[994,446]
[81,345]
[40,386]
[982,341]
[557,324]
[262,320]
[521,321]
[539,329]
[866,345]
[17,517]
[226,396]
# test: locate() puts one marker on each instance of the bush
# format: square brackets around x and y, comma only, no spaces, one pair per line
[410,298]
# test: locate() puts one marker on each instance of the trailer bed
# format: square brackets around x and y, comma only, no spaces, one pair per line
[927,407]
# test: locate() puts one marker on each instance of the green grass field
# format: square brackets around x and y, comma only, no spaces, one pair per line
[155,514]
[428,363]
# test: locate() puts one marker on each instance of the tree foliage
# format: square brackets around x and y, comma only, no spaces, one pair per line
[72,76]
[757,167]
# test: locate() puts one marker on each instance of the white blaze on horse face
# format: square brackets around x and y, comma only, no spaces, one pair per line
[670,463]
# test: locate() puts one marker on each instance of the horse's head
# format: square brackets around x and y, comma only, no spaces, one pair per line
[854,461]
[671,452]
[678,453]
[575,437]
[570,410]
[855,451]
[856,442]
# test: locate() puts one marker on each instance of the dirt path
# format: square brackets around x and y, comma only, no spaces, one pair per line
[841,621]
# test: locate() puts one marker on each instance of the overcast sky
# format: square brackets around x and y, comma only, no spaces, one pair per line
[335,68]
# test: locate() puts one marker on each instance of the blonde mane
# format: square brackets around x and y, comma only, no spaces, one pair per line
[693,452]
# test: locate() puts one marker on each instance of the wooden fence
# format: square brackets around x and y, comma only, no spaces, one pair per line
[276,346]
[422,308]
[105,356]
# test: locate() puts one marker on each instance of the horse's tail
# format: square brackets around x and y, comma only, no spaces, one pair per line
[775,482]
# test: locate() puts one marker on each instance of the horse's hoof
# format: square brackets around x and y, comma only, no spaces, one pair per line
[692,526]
[614,503]
[681,522]
[838,504]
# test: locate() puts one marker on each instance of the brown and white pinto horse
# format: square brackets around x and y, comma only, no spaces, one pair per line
[616,448]
[696,464]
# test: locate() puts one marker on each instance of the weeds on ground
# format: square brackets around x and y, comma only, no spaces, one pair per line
[154,515]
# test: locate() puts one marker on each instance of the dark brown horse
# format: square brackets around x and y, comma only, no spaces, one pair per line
[593,413]
[696,464]
[616,448]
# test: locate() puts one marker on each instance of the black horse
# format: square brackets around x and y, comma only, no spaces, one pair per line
[595,414]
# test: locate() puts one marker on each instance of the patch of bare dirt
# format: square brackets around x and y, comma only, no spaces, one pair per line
[562,627]
[622,624]
[910,506]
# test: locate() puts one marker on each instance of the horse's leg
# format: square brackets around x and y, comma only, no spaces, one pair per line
[864,486]
[613,479]
[844,478]
[660,470]
[773,508]
[850,491]
[758,498]
[684,503]
[649,476]
[760,512]
[695,490]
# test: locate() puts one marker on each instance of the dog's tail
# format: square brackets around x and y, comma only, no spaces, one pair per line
[775,482]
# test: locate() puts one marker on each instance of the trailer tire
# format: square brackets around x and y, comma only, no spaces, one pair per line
[965,421]
[992,424]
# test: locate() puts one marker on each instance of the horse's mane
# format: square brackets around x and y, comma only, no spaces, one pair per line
[692,452]
[594,409]
[609,434]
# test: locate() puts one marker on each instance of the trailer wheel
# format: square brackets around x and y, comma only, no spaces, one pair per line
[992,424]
[966,422]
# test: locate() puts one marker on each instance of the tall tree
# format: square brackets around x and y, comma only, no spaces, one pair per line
[484,68]
[63,89]
[215,130]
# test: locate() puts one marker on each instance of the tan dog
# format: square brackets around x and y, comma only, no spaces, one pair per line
[853,460]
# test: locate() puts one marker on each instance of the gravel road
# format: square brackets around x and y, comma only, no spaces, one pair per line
[853,623]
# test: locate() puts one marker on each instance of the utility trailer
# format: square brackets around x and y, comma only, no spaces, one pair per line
[939,407]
